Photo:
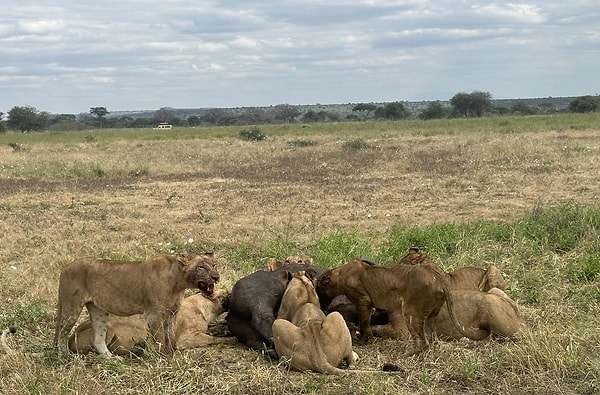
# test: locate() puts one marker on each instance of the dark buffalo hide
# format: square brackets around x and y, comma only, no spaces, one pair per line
[254,303]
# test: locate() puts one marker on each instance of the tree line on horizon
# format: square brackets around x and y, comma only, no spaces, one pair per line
[461,105]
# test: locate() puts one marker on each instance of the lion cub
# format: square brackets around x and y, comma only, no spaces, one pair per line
[303,334]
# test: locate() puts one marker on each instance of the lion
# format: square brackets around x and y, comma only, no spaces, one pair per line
[304,335]
[480,303]
[126,336]
[418,290]
[493,313]
[464,278]
[154,288]
[274,264]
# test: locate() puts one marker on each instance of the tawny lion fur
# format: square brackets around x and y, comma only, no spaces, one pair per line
[154,288]
[479,303]
[304,335]
[418,290]
[128,335]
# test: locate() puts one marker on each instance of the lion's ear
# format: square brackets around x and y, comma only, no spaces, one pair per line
[325,280]
[273,264]
[312,275]
[181,258]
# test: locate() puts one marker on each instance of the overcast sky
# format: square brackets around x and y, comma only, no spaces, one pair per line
[67,56]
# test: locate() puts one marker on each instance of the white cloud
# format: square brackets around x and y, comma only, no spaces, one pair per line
[292,51]
[520,13]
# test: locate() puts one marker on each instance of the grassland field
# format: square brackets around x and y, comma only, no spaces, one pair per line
[517,192]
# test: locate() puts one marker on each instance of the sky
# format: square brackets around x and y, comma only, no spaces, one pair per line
[68,56]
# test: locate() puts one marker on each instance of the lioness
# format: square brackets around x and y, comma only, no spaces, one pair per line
[303,334]
[154,288]
[492,313]
[474,281]
[418,290]
[125,334]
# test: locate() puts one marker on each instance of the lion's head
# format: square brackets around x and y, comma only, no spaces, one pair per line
[200,272]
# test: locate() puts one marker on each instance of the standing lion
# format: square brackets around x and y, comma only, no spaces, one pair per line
[154,288]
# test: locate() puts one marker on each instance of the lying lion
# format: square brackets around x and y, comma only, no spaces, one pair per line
[154,288]
[490,313]
[419,291]
[304,335]
[128,335]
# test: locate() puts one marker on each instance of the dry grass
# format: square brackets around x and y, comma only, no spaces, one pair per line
[133,196]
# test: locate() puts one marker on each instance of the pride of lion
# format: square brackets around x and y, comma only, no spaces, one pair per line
[293,310]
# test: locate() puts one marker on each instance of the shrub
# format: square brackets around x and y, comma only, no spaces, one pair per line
[253,134]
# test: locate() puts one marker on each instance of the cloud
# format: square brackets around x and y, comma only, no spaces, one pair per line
[215,53]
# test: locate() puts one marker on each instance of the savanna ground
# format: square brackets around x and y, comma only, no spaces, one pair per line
[521,193]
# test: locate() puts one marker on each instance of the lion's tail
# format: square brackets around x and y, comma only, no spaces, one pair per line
[471,333]
[5,345]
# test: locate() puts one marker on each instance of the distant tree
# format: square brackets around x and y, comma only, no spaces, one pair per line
[143,122]
[473,104]
[365,109]
[253,116]
[500,110]
[27,118]
[163,115]
[2,128]
[585,104]
[213,115]
[193,120]
[176,121]
[218,116]
[395,110]
[64,122]
[320,116]
[99,113]
[435,110]
[547,107]
[521,108]
[285,113]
